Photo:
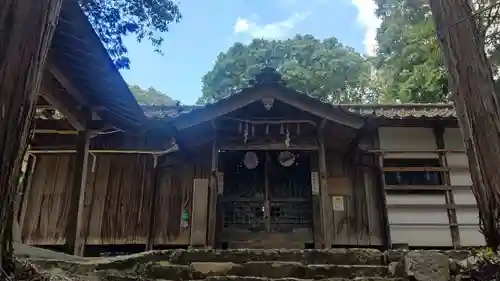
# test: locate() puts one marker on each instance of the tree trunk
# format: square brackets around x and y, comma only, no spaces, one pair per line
[26,30]
[477,106]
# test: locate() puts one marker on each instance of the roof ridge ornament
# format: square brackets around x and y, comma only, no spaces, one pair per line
[267,76]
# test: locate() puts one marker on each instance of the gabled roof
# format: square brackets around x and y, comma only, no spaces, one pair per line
[267,85]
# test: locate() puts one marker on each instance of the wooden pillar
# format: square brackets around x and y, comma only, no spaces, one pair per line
[74,226]
[382,194]
[323,183]
[446,181]
[383,200]
[214,194]
[23,205]
[154,181]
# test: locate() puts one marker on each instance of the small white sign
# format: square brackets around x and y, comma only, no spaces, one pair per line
[314,183]
[338,203]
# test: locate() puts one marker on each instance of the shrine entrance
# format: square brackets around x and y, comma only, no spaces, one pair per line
[267,199]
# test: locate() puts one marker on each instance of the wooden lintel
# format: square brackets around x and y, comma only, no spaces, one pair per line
[69,107]
[64,125]
[271,146]
[75,240]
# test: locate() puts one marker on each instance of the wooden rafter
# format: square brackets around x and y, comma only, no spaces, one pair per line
[66,83]
[64,102]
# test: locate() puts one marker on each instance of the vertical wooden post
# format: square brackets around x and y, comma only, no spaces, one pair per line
[323,191]
[23,206]
[383,199]
[155,174]
[446,181]
[382,194]
[74,227]
[214,194]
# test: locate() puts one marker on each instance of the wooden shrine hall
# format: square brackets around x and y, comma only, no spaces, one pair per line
[266,167]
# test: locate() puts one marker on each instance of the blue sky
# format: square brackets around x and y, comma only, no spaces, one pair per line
[210,27]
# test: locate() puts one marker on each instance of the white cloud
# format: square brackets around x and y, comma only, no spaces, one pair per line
[367,18]
[273,30]
[241,25]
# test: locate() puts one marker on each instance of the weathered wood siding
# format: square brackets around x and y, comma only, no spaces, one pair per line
[360,221]
[175,195]
[116,199]
[46,203]
[117,208]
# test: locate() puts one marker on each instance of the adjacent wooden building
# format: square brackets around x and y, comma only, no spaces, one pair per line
[267,167]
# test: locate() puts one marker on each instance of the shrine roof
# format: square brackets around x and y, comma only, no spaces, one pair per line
[385,111]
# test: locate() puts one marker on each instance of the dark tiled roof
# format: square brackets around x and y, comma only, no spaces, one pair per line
[403,111]
[387,111]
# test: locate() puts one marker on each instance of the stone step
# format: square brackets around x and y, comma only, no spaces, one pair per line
[316,256]
[203,270]
[268,269]
[250,278]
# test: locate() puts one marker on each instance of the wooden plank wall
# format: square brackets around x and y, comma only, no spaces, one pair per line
[46,205]
[116,200]
[359,223]
[175,188]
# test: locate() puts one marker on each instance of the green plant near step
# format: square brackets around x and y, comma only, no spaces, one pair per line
[483,265]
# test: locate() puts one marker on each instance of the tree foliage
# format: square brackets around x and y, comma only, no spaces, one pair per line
[146,19]
[151,96]
[325,69]
[408,58]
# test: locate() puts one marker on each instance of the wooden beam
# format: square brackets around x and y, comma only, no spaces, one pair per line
[270,146]
[69,107]
[64,125]
[74,226]
[64,81]
[251,95]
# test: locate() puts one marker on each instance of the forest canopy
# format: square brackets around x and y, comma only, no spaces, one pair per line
[409,63]
[150,96]
[325,69]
